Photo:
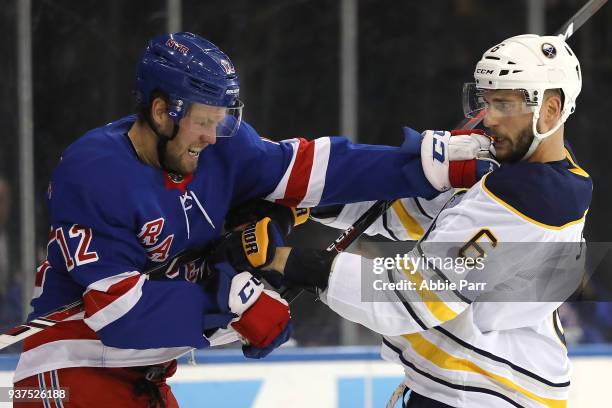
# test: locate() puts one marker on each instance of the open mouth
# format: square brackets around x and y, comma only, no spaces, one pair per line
[194,152]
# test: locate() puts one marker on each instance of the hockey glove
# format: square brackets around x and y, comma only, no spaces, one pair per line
[253,247]
[452,159]
[285,217]
[309,268]
[262,316]
[260,352]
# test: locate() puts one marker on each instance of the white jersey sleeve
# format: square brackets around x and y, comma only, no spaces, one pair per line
[406,220]
[474,224]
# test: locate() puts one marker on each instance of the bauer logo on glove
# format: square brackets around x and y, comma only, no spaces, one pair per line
[249,239]
[254,247]
[256,242]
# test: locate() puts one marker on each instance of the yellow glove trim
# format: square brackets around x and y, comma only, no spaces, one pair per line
[300,215]
[255,242]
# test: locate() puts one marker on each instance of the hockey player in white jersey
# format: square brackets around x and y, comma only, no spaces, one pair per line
[485,334]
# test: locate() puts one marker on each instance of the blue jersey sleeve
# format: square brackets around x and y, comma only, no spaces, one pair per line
[325,171]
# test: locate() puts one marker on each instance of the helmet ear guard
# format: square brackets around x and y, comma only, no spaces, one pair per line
[533,64]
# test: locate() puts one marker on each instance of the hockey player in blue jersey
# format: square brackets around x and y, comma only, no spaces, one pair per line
[135,192]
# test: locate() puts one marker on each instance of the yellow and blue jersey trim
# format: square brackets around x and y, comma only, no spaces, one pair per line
[552,195]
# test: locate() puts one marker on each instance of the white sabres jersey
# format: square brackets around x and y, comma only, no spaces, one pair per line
[502,346]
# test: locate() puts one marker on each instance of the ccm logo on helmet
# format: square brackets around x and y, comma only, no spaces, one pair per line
[177,46]
[484,71]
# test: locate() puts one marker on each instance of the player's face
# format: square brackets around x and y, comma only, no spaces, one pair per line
[508,121]
[197,130]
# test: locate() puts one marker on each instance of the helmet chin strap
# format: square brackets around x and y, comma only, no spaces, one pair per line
[537,136]
[162,142]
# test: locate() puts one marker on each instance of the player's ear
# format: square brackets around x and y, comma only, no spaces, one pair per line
[552,106]
[158,111]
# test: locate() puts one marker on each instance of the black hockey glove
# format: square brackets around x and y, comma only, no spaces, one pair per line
[286,218]
[307,268]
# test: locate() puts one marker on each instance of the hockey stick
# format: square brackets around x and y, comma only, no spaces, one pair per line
[581,17]
[347,237]
[378,209]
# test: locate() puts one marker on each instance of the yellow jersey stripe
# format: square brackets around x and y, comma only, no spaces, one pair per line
[442,359]
[577,169]
[525,217]
[434,304]
[412,227]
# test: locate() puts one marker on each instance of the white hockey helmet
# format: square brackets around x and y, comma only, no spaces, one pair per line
[532,64]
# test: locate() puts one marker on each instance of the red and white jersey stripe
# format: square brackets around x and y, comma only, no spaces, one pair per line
[304,180]
[108,299]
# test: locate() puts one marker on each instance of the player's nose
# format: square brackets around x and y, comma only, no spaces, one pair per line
[209,136]
[488,119]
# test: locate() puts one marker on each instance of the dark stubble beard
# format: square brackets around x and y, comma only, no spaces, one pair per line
[521,146]
[168,160]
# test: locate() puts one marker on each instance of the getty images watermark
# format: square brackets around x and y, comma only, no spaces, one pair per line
[410,264]
[506,272]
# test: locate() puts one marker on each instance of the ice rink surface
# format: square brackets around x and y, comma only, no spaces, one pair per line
[336,377]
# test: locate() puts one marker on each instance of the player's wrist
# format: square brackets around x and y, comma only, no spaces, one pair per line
[280,260]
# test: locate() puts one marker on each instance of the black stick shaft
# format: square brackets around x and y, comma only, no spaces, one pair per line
[582,16]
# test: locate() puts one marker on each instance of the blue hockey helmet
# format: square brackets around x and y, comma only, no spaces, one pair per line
[190,69]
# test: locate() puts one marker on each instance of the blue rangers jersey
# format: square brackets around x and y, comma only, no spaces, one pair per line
[113,217]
